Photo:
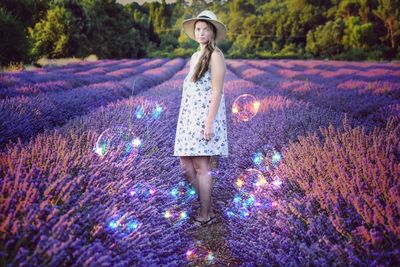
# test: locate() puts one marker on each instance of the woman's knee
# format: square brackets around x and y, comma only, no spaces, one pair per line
[187,165]
[201,164]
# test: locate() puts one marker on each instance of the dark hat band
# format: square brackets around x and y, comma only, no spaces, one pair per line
[206,17]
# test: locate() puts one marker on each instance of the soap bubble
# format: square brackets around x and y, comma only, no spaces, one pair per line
[120,142]
[245,107]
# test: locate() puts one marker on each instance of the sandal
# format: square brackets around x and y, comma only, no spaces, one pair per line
[204,223]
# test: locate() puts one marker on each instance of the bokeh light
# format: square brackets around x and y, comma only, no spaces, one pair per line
[200,255]
[266,158]
[183,192]
[176,215]
[143,191]
[146,112]
[123,225]
[250,180]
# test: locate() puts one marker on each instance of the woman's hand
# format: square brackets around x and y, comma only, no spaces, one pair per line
[208,131]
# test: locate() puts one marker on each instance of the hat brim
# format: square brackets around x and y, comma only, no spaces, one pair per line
[188,28]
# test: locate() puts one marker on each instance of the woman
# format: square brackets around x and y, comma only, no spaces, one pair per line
[201,130]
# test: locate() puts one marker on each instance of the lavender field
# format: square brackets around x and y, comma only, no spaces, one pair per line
[312,178]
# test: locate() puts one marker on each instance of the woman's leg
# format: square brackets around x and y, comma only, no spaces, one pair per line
[202,167]
[189,172]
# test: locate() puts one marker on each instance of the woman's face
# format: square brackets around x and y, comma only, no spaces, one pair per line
[203,32]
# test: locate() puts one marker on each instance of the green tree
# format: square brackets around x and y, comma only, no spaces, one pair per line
[14,46]
[388,12]
[356,34]
[325,40]
[50,36]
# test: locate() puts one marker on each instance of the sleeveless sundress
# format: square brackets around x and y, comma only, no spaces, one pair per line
[193,112]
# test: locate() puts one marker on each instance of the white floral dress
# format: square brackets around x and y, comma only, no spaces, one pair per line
[195,105]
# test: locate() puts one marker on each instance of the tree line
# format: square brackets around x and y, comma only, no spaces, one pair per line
[334,29]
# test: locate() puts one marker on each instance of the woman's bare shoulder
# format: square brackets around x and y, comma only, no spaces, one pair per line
[217,55]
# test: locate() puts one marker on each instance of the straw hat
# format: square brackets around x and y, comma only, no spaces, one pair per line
[188,25]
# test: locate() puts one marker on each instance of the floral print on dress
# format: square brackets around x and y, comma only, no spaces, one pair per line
[193,112]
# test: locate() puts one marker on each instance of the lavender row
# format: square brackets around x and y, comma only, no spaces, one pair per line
[295,231]
[14,79]
[24,117]
[369,107]
[70,195]
[36,83]
[371,77]
[362,68]
[303,225]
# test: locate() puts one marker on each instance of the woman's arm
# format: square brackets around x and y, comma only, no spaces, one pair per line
[218,69]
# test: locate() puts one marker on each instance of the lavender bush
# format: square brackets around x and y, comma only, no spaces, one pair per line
[326,190]
[23,117]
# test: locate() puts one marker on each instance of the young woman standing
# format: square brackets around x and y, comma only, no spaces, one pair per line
[201,130]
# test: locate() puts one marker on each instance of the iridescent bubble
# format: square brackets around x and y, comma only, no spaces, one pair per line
[250,180]
[120,142]
[199,254]
[245,107]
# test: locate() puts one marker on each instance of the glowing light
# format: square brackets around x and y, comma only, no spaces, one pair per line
[167,214]
[132,225]
[277,182]
[200,254]
[258,158]
[210,256]
[276,157]
[139,113]
[174,191]
[189,253]
[114,224]
[137,142]
[250,180]
[239,182]
[183,215]
[183,192]
[156,112]
[175,215]
[142,191]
